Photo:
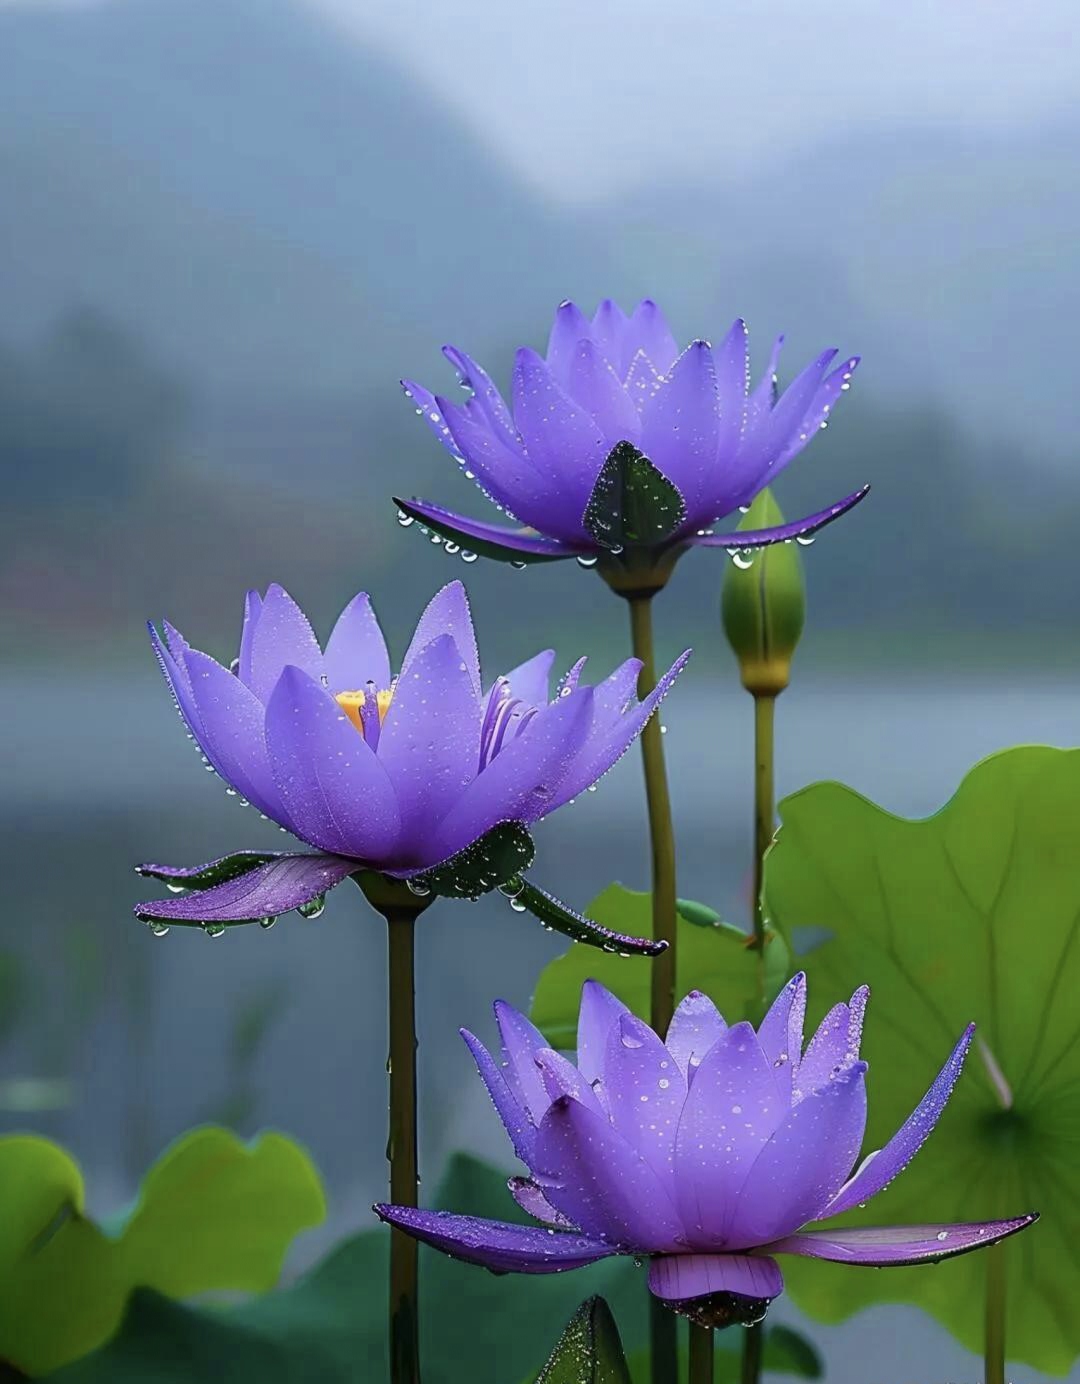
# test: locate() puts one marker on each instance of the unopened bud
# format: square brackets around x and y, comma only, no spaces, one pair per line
[763,605]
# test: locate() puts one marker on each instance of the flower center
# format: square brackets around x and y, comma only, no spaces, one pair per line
[505,717]
[366,710]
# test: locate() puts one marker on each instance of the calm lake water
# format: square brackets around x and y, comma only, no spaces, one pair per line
[150,1033]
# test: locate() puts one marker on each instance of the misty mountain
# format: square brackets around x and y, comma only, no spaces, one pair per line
[269,206]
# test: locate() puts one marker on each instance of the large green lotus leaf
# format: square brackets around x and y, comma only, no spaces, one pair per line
[712,957]
[212,1213]
[971,914]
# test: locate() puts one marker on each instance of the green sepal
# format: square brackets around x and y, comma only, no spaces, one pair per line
[554,914]
[589,1350]
[497,857]
[633,504]
[216,872]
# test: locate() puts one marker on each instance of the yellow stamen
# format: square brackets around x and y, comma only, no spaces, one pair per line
[353,703]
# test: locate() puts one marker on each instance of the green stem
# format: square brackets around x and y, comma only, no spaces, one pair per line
[401,1144]
[994,1370]
[764,825]
[663,1341]
[661,833]
[701,1354]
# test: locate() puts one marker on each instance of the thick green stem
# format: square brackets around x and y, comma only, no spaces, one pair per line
[661,833]
[662,1334]
[994,1370]
[401,1145]
[753,1347]
[701,1354]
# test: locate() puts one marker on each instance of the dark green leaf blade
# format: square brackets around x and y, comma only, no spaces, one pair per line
[495,859]
[589,1350]
[633,504]
[207,876]
[554,914]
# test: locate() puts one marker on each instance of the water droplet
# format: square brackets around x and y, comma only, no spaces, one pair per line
[742,558]
[943,1234]
[405,519]
[174,888]
[268,921]
[230,792]
[467,556]
[587,561]
[519,566]
[314,908]
[518,906]
[417,887]
[804,540]
[663,1083]
[663,730]
[159,929]
[453,548]
[214,930]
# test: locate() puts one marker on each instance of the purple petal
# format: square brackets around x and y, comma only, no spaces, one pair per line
[509,1108]
[856,1018]
[512,543]
[598,1012]
[817,415]
[504,475]
[356,650]
[827,1050]
[337,792]
[732,371]
[695,1027]
[642,382]
[491,402]
[252,610]
[881,1167]
[570,327]
[780,1033]
[894,1245]
[763,396]
[524,780]
[521,1041]
[604,749]
[286,882]
[562,1078]
[229,727]
[496,1245]
[593,383]
[804,1164]
[447,613]
[781,533]
[786,418]
[238,862]
[681,425]
[649,333]
[532,1201]
[610,331]
[561,439]
[677,1277]
[430,742]
[530,682]
[731,1111]
[645,1093]
[281,635]
[591,1174]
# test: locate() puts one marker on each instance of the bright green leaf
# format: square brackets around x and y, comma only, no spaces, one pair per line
[712,956]
[973,913]
[589,1350]
[212,1213]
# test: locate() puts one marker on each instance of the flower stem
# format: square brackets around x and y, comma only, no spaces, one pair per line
[663,1341]
[994,1369]
[401,1144]
[701,1354]
[753,1346]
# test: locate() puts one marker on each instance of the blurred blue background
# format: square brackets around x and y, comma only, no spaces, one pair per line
[228,226]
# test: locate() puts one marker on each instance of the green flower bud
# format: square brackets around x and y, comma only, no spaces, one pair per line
[763,606]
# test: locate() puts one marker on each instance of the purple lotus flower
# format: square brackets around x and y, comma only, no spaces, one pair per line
[709,1153]
[617,443]
[390,774]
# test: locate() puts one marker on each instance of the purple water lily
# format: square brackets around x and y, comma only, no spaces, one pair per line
[709,1153]
[380,773]
[617,442]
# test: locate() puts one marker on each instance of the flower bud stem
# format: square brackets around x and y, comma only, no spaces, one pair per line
[994,1368]
[401,1144]
[701,1354]
[753,1345]
[662,1334]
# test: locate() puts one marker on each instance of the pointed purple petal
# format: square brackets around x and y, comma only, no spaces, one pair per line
[681,426]
[521,1041]
[503,474]
[817,415]
[676,1277]
[695,1027]
[447,613]
[569,327]
[801,1168]
[490,540]
[827,1050]
[880,1168]
[645,1093]
[562,441]
[780,1033]
[430,743]
[491,402]
[782,533]
[649,333]
[275,887]
[598,1012]
[338,793]
[562,1078]
[530,681]
[530,1197]
[593,383]
[281,635]
[252,610]
[591,1174]
[895,1245]
[611,330]
[514,1115]
[356,650]
[497,1245]
[731,1110]
[732,372]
